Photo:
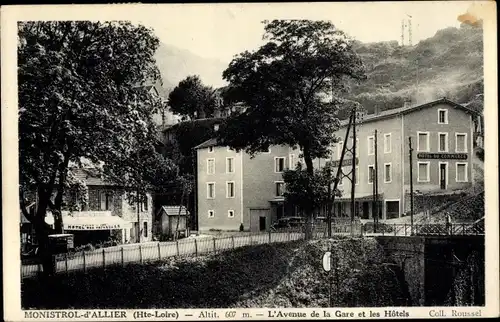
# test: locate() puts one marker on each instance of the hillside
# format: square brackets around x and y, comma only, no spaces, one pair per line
[176,64]
[449,64]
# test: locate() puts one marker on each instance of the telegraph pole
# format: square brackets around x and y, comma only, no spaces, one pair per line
[411,185]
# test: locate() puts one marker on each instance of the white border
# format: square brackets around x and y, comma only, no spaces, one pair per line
[208,167]
[428,171]
[465,143]
[445,115]
[390,172]
[466,171]
[428,141]
[446,143]
[209,183]
[227,190]
[387,135]
[227,164]
[446,181]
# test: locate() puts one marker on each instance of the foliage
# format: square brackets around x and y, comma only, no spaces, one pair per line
[295,280]
[448,64]
[306,191]
[190,98]
[80,97]
[284,84]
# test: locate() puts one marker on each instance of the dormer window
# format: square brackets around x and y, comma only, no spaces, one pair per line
[442,116]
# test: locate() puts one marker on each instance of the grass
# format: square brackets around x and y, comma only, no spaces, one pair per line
[277,275]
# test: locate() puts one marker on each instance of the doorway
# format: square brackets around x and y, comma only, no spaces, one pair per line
[443,175]
[262,223]
[366,210]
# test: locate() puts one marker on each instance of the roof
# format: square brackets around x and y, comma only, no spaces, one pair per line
[379,116]
[207,143]
[174,210]
[91,179]
[409,109]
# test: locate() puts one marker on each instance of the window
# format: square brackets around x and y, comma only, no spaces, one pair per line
[371,145]
[340,148]
[229,165]
[210,149]
[460,142]
[423,172]
[291,161]
[387,173]
[230,213]
[442,116]
[105,200]
[279,164]
[210,166]
[145,229]
[423,141]
[461,170]
[392,209]
[371,174]
[387,143]
[230,189]
[211,190]
[211,213]
[279,188]
[144,204]
[443,142]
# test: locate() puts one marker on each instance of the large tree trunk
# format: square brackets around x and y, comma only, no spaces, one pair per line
[43,230]
[309,209]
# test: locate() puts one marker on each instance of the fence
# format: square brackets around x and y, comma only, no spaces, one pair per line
[139,253]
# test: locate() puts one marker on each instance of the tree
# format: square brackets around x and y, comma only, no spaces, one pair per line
[307,191]
[193,99]
[79,98]
[292,86]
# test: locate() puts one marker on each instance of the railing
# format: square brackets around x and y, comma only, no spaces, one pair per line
[383,229]
[139,253]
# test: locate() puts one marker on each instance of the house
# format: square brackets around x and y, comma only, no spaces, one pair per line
[234,189]
[171,219]
[109,213]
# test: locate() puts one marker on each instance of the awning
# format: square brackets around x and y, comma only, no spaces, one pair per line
[360,198]
[79,222]
[277,200]
[94,223]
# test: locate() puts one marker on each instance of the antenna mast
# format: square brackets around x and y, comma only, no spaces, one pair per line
[409,31]
[402,32]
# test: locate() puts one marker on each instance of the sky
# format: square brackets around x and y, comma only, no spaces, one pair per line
[222,30]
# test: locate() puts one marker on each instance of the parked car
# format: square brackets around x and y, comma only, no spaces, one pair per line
[289,222]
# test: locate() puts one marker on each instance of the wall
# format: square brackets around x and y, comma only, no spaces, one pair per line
[220,204]
[434,265]
[259,181]
[426,120]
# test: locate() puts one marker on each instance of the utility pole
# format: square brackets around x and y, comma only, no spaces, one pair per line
[376,182]
[411,185]
[353,182]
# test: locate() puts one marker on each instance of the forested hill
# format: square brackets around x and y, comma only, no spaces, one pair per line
[449,64]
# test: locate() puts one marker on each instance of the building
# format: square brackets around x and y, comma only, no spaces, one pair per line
[107,214]
[171,219]
[234,189]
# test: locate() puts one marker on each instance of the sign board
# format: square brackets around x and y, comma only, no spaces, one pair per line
[327,266]
[92,226]
[443,156]
[345,162]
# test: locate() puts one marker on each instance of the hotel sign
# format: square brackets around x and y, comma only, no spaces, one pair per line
[443,156]
[93,226]
[345,163]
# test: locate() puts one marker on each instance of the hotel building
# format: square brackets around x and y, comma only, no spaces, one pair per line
[234,189]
